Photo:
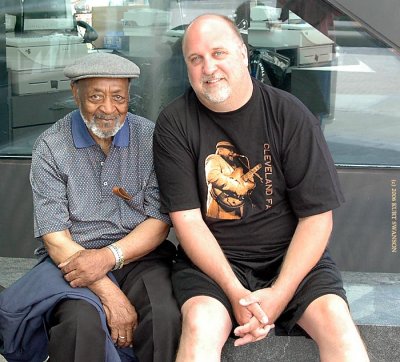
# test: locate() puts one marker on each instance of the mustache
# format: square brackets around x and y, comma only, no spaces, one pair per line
[211,78]
[107,117]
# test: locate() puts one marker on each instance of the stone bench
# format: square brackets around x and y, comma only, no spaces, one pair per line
[375,306]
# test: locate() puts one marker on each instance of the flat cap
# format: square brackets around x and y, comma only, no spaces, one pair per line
[101,65]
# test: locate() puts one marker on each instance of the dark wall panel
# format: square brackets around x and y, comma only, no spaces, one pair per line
[16,220]
[365,236]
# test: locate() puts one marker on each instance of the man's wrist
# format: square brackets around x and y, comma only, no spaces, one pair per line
[235,291]
[283,292]
[118,255]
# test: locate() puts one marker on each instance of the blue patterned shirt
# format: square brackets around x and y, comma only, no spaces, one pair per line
[72,181]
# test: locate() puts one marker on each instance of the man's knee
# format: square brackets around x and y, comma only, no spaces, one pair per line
[328,314]
[330,307]
[76,333]
[206,327]
[74,314]
[328,321]
[169,313]
[204,313]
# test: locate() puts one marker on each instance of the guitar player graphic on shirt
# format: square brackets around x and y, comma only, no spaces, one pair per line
[230,183]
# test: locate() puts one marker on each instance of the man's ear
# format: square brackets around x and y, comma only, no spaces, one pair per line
[75,92]
[245,54]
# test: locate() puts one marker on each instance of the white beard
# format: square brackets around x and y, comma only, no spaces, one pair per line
[218,94]
[96,130]
[218,97]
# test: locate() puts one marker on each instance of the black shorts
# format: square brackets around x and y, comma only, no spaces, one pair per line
[188,281]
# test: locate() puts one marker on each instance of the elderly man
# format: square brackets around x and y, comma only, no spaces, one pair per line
[270,266]
[96,208]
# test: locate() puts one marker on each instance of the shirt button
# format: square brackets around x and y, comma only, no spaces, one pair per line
[102,163]
[105,183]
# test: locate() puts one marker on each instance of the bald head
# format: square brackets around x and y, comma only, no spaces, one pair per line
[209,20]
[217,63]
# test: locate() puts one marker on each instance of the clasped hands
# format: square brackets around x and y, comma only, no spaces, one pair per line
[254,324]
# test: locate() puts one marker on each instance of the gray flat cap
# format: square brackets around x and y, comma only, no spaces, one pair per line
[102,65]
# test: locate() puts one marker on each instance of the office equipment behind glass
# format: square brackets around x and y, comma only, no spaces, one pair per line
[42,42]
[46,15]
[44,22]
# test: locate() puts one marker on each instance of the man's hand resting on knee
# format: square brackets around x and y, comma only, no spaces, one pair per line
[87,266]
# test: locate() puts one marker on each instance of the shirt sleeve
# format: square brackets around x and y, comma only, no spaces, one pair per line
[175,165]
[152,200]
[50,202]
[311,179]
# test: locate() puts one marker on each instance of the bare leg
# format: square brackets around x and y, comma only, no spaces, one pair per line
[328,322]
[206,326]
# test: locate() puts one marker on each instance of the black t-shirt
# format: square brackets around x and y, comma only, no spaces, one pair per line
[276,140]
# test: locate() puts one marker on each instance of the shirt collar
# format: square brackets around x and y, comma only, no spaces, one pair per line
[83,139]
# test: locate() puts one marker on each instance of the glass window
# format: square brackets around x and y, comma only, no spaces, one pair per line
[344,75]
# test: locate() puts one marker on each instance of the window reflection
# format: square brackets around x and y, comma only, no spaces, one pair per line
[41,38]
[344,75]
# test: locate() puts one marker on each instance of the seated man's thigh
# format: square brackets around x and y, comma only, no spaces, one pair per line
[206,310]
[149,282]
[189,281]
[148,286]
[76,333]
[73,312]
[323,280]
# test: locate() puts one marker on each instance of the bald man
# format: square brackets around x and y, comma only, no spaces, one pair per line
[270,267]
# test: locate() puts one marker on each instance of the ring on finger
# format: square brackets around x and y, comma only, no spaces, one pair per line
[120,337]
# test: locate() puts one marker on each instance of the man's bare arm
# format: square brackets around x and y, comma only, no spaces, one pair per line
[308,243]
[121,315]
[86,266]
[306,248]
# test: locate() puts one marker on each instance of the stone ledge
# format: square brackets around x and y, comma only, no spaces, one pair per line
[382,344]
[374,298]
[12,269]
[273,348]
